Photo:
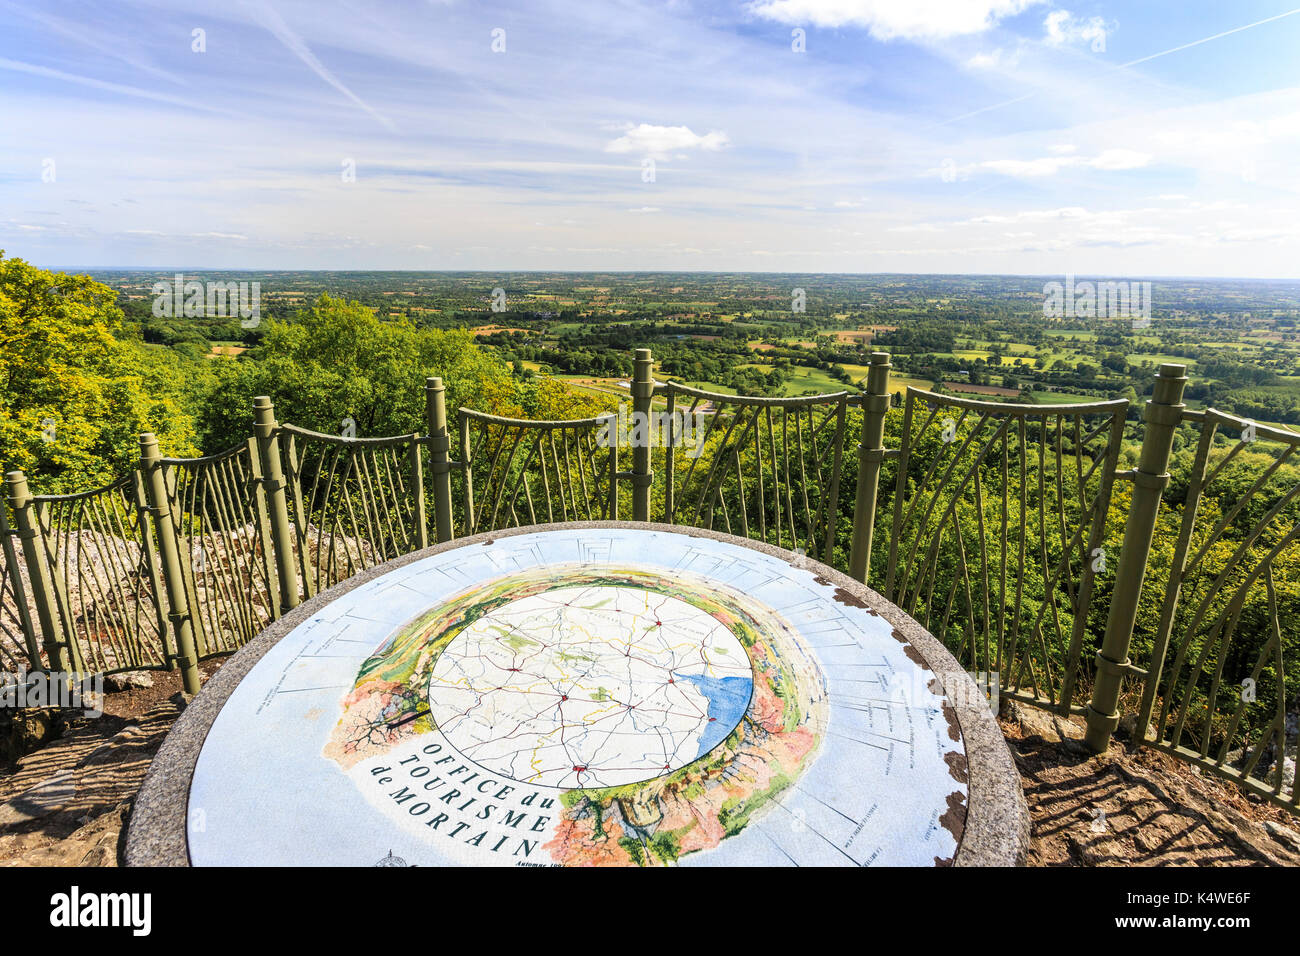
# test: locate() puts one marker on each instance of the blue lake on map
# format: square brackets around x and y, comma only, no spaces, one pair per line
[728,698]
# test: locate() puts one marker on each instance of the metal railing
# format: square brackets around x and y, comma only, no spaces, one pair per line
[1216,691]
[518,472]
[765,468]
[93,574]
[987,522]
[355,502]
[982,491]
[19,649]
[223,542]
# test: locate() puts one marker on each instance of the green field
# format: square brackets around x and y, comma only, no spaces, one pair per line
[1062,398]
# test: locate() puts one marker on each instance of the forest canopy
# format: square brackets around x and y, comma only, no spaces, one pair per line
[79,383]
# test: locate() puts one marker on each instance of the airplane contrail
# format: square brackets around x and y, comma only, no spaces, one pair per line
[1175,49]
[114,47]
[18,66]
[285,34]
[1141,59]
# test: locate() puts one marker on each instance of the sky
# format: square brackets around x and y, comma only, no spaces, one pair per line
[856,136]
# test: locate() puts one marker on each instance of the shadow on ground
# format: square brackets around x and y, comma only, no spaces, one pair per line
[67,803]
[1135,808]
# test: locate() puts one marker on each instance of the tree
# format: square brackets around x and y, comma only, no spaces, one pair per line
[337,360]
[76,384]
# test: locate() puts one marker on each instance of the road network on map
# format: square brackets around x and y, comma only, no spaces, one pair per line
[595,686]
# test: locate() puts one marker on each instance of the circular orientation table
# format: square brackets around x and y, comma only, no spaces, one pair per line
[595,693]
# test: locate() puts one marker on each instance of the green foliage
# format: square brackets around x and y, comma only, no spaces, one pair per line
[78,384]
[76,388]
[633,849]
[338,360]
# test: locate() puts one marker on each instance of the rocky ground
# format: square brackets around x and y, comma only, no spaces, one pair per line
[1136,808]
[67,802]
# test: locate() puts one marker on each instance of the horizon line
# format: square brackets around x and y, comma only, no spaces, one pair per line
[696,272]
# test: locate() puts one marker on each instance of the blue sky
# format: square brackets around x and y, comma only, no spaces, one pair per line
[1003,136]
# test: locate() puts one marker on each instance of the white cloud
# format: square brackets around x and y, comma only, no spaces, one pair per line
[1063,28]
[894,19]
[991,61]
[1108,160]
[1029,168]
[1119,159]
[1035,215]
[659,142]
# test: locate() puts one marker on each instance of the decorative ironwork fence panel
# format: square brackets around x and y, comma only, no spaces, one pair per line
[998,532]
[765,468]
[223,538]
[997,538]
[355,502]
[517,472]
[19,648]
[1223,689]
[100,551]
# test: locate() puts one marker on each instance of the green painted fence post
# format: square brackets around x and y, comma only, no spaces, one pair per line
[871,452]
[159,503]
[435,409]
[38,571]
[1163,414]
[643,387]
[266,430]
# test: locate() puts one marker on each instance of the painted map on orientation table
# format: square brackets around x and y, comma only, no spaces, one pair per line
[585,697]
